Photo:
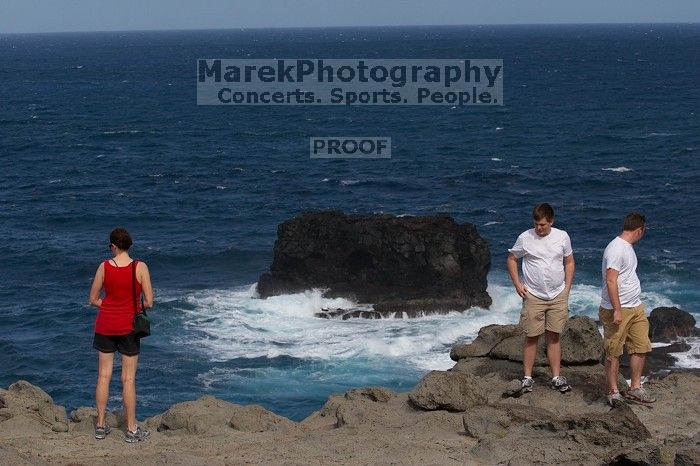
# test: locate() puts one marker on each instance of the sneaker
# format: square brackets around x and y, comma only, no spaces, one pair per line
[526,385]
[137,436]
[615,398]
[559,383]
[639,395]
[101,432]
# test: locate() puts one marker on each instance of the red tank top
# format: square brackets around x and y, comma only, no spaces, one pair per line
[116,315]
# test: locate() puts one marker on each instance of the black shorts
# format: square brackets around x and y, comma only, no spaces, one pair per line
[128,345]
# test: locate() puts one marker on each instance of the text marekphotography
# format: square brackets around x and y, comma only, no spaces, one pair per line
[454,82]
[350,147]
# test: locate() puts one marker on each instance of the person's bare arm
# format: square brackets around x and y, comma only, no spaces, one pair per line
[512,264]
[611,281]
[569,271]
[97,282]
[145,280]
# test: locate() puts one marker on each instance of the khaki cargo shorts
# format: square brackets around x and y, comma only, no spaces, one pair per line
[633,332]
[539,315]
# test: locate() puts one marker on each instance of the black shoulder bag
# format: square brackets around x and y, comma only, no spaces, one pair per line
[142,326]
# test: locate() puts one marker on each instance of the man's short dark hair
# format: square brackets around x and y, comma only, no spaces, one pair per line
[634,220]
[543,210]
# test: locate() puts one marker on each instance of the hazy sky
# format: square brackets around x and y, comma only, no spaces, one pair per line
[103,15]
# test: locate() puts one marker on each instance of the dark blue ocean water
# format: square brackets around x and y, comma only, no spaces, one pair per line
[102,129]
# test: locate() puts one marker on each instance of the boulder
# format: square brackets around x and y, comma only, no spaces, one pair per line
[448,390]
[255,418]
[212,416]
[406,265]
[26,405]
[531,435]
[486,340]
[667,324]
[581,343]
[377,394]
[83,419]
[359,406]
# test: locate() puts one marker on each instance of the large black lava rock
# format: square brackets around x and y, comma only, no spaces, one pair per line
[670,323]
[400,264]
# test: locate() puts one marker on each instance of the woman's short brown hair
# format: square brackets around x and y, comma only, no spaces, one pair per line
[121,238]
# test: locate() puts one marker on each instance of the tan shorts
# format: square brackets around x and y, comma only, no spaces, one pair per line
[539,315]
[633,332]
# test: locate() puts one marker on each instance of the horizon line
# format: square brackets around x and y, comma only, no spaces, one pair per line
[604,23]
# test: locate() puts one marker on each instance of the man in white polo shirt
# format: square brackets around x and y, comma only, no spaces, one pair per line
[548,272]
[622,312]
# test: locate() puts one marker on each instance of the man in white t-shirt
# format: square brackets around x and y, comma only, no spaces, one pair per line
[622,311]
[548,272]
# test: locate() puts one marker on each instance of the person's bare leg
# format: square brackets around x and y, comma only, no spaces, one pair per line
[529,353]
[553,352]
[129,364]
[612,367]
[636,368]
[104,375]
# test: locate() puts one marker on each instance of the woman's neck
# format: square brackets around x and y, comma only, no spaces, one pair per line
[121,258]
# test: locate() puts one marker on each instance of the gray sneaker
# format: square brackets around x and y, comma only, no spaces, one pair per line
[526,385]
[639,395]
[137,436]
[101,432]
[559,383]
[615,399]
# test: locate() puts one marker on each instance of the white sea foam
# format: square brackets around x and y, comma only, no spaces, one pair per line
[349,182]
[689,359]
[496,159]
[232,324]
[617,169]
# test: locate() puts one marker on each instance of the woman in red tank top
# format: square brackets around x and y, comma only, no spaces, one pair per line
[114,328]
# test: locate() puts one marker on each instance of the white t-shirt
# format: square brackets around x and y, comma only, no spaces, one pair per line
[620,255]
[543,261]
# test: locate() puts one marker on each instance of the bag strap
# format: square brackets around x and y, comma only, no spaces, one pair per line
[133,285]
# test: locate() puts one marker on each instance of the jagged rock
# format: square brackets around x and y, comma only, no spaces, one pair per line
[688,451]
[26,405]
[400,264]
[346,314]
[448,390]
[212,416]
[535,435]
[667,324]
[378,394]
[359,406]
[494,421]
[83,419]
[581,343]
[203,416]
[255,418]
[687,457]
[644,454]
[514,388]
[60,427]
[511,348]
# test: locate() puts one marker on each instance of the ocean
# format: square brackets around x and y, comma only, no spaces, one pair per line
[99,130]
